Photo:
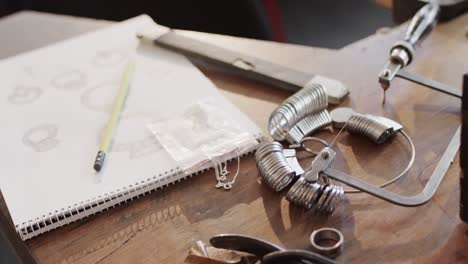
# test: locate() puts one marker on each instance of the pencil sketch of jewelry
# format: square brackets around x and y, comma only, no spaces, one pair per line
[106,58]
[93,97]
[69,80]
[28,70]
[24,94]
[137,146]
[42,138]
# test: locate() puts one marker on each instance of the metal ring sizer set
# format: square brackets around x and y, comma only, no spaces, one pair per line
[310,100]
[303,114]
[271,161]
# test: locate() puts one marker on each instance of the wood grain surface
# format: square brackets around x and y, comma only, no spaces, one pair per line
[160,227]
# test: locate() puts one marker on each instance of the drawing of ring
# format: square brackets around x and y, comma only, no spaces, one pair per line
[106,58]
[24,94]
[42,137]
[69,80]
[92,98]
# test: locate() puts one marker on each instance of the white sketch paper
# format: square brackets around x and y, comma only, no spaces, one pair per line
[48,146]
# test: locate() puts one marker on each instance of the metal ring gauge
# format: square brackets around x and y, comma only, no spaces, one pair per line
[303,114]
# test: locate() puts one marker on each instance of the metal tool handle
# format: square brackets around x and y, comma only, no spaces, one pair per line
[247,66]
[402,52]
[422,23]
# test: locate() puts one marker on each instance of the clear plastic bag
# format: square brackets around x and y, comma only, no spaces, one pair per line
[203,136]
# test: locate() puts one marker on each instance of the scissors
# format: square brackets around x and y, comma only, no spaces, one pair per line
[267,252]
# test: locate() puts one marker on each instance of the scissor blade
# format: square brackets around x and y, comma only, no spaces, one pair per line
[247,244]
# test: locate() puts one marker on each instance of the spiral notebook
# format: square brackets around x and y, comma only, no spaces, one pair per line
[55,102]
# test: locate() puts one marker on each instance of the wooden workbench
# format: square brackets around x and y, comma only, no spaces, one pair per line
[160,227]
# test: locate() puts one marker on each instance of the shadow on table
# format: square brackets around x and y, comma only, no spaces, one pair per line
[168,205]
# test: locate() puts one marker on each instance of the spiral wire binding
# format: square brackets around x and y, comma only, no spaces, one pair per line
[80,210]
[310,99]
[97,204]
[308,125]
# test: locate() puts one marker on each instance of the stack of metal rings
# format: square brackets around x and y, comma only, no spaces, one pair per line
[376,128]
[369,126]
[299,115]
[273,166]
[310,99]
[279,168]
[317,196]
[308,125]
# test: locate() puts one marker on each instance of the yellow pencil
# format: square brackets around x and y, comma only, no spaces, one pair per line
[114,116]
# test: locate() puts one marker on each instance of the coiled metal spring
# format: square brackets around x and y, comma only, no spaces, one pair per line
[318,196]
[308,100]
